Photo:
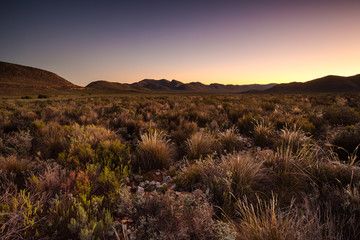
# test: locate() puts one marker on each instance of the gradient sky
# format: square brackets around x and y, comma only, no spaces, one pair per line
[224,41]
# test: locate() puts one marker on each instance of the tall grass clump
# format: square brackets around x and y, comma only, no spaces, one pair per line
[263,134]
[292,172]
[154,151]
[230,140]
[294,137]
[268,220]
[247,174]
[200,145]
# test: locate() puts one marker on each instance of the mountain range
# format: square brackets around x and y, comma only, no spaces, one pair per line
[163,85]
[22,80]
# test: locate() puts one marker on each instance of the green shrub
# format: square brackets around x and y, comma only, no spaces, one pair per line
[114,155]
[21,215]
[83,141]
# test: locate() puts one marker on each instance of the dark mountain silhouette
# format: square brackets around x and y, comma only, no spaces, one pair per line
[329,84]
[106,86]
[164,85]
[19,80]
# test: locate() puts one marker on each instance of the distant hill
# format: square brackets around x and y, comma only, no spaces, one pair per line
[164,85]
[320,85]
[114,87]
[21,80]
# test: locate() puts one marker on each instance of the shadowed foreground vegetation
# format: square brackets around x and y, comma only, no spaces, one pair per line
[180,167]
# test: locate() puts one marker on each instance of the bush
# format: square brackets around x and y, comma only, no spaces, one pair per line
[346,141]
[27,97]
[16,143]
[16,169]
[185,216]
[341,115]
[21,215]
[50,139]
[43,96]
[83,141]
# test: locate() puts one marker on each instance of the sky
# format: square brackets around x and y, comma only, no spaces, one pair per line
[223,41]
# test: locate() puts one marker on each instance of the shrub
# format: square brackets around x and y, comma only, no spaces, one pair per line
[246,123]
[43,96]
[154,151]
[27,97]
[185,216]
[50,139]
[341,115]
[16,143]
[50,181]
[114,155]
[346,141]
[16,169]
[83,141]
[21,215]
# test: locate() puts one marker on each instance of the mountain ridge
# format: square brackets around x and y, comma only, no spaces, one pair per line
[327,84]
[17,79]
[164,85]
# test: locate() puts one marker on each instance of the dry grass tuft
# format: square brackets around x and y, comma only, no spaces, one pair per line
[293,137]
[200,145]
[263,134]
[154,151]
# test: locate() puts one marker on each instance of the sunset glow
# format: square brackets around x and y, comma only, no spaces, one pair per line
[229,42]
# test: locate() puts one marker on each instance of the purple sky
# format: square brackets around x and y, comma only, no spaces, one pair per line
[225,41]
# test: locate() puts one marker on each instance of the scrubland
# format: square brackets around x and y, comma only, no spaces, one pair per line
[180,167]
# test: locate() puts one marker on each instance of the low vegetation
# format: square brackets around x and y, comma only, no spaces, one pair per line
[180,167]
